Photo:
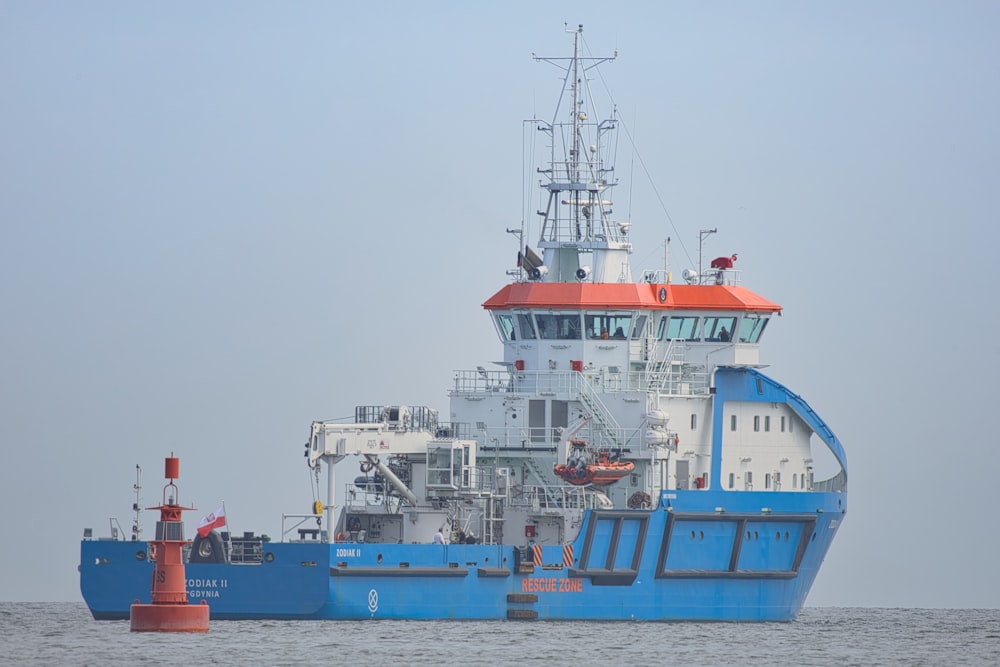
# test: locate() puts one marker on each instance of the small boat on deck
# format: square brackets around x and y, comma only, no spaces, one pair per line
[586,467]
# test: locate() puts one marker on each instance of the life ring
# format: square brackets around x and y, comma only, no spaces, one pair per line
[340,536]
[366,466]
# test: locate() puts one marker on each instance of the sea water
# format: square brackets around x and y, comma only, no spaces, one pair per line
[65,634]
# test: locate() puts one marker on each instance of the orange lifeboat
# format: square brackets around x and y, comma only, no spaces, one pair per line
[602,471]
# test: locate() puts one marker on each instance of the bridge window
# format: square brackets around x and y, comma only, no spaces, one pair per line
[694,421]
[684,328]
[639,330]
[751,328]
[756,422]
[782,423]
[505,324]
[526,326]
[719,328]
[559,327]
[609,325]
[767,423]
[732,422]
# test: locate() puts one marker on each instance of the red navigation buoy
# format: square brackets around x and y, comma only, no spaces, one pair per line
[170,610]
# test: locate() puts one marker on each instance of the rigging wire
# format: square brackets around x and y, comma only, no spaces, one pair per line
[637,155]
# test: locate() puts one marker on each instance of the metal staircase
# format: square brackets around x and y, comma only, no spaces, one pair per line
[603,418]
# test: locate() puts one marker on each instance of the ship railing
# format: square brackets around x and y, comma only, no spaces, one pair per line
[837,483]
[668,372]
[297,520]
[681,378]
[708,277]
[544,498]
[364,495]
[415,417]
[482,482]
[537,439]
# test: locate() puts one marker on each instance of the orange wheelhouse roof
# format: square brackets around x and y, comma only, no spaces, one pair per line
[628,296]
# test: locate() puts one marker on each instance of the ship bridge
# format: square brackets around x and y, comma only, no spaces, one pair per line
[630,329]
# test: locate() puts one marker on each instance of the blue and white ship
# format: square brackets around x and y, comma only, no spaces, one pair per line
[627,458]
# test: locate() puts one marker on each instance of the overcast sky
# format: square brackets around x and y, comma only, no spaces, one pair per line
[220,221]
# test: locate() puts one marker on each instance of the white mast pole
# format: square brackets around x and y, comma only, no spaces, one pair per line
[331,486]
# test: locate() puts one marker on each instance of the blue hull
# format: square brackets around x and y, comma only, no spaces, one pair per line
[753,561]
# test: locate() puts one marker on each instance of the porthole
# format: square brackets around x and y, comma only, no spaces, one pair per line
[701,535]
[786,535]
[140,555]
[379,559]
[692,536]
[269,557]
[755,535]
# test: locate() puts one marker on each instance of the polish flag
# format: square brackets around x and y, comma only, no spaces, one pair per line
[216,519]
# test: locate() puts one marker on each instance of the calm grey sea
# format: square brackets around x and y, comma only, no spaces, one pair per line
[65,634]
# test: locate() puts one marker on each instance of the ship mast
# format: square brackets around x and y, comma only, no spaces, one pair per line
[577,221]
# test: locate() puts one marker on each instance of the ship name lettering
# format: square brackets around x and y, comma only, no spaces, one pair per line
[348,553]
[203,594]
[207,583]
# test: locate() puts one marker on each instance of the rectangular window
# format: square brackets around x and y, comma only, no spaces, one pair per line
[718,328]
[767,480]
[559,327]
[756,422]
[791,423]
[607,325]
[751,328]
[732,422]
[732,480]
[795,480]
[782,423]
[694,421]
[526,326]
[684,328]
[767,423]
